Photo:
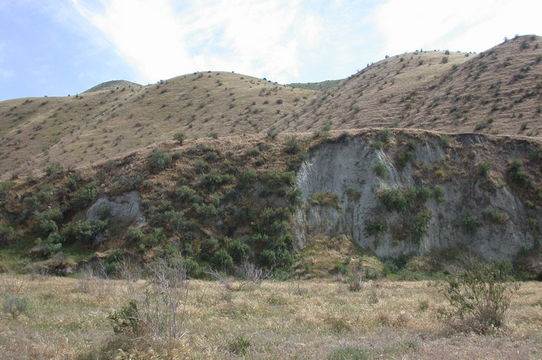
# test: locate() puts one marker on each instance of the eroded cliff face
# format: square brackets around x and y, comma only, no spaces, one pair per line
[412,194]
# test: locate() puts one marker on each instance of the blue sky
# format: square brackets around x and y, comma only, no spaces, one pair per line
[61,47]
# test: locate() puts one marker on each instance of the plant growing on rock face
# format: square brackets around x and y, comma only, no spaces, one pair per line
[470,223]
[373,228]
[381,170]
[324,198]
[479,298]
[516,172]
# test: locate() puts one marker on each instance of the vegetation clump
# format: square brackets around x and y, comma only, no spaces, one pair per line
[158,161]
[479,297]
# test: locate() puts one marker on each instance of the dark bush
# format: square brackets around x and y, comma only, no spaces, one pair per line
[158,161]
[85,196]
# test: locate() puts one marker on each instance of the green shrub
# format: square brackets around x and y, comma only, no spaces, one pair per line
[55,238]
[495,216]
[470,223]
[267,258]
[14,305]
[247,178]
[179,136]
[134,235]
[54,170]
[104,212]
[373,228]
[419,225]
[381,170]
[350,353]
[384,136]
[516,172]
[209,247]
[324,198]
[83,231]
[394,200]
[158,236]
[275,179]
[238,250]
[484,167]
[222,260]
[126,320]
[478,297]
[158,161]
[187,195]
[85,196]
[215,179]
[438,192]
[239,346]
[292,146]
[404,158]
[5,186]
[201,166]
[44,227]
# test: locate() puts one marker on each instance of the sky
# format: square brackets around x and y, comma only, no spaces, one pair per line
[61,47]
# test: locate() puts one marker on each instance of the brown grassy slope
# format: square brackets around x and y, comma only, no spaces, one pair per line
[81,129]
[498,91]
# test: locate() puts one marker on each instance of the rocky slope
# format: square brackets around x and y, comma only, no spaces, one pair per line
[395,193]
[419,193]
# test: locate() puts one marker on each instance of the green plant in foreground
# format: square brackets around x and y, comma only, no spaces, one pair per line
[14,305]
[239,346]
[478,297]
[349,353]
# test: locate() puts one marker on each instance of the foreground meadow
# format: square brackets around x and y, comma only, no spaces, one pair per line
[318,319]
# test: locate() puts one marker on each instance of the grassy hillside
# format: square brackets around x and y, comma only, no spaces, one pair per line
[105,122]
[498,91]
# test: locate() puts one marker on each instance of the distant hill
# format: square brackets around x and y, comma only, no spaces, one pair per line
[319,86]
[498,91]
[116,117]
[113,84]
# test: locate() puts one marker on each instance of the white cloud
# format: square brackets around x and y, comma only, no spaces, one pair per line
[456,25]
[262,38]
[4,73]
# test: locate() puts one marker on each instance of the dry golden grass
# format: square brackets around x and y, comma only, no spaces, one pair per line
[280,320]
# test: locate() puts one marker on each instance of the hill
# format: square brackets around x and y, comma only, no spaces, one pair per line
[113,84]
[498,91]
[217,202]
[118,117]
[319,86]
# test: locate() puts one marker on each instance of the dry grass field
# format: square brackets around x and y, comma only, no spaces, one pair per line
[318,319]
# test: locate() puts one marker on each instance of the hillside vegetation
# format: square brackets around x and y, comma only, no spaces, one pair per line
[498,91]
[119,117]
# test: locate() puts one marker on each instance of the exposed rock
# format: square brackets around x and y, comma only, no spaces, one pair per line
[532,263]
[125,207]
[39,251]
[347,170]
[59,264]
